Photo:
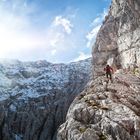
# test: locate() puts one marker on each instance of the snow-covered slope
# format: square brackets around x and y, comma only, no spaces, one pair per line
[34,79]
[35,97]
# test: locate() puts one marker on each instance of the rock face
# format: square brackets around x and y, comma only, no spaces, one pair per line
[35,97]
[118,41]
[105,110]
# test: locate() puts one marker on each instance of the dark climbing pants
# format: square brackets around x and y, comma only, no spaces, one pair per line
[108,75]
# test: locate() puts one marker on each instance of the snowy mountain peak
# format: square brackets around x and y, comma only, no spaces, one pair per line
[33,79]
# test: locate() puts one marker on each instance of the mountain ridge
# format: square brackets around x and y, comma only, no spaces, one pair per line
[35,97]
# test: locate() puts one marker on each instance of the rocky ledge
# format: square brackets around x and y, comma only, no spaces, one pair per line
[105,111]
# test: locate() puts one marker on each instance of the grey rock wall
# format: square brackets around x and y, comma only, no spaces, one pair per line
[118,40]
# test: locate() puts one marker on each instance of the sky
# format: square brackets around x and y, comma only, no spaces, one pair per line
[53,30]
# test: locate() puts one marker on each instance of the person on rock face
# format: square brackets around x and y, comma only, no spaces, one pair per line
[108,71]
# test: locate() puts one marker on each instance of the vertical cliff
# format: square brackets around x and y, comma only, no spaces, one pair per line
[118,40]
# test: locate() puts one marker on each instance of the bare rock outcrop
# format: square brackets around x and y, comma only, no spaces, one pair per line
[105,111]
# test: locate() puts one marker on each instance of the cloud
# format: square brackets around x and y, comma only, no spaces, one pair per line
[96,21]
[65,23]
[96,24]
[54,37]
[82,56]
[104,14]
[53,52]
[19,37]
[15,27]
[25,37]
[91,36]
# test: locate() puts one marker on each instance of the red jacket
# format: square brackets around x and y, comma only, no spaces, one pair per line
[108,69]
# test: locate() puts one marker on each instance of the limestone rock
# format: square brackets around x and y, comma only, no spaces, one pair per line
[101,113]
[118,40]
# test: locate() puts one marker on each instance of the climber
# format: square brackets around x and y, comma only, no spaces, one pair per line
[108,71]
